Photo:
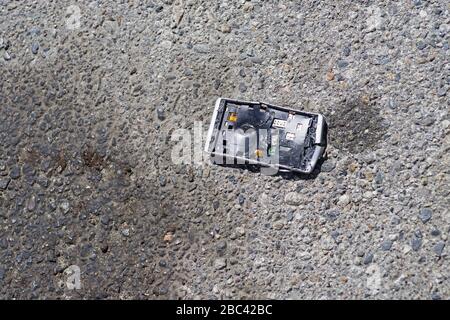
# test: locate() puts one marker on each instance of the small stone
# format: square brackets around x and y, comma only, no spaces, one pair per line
[104,248]
[406,249]
[4,182]
[217,84]
[221,246]
[439,248]
[435,233]
[220,263]
[31,203]
[188,72]
[428,121]
[346,51]
[368,175]
[160,113]
[86,250]
[425,214]
[168,237]
[330,75]
[293,199]
[35,31]
[256,60]
[240,231]
[395,221]
[169,77]
[342,64]
[278,225]
[2,273]
[248,6]
[290,216]
[105,220]
[225,28]
[379,178]
[327,242]
[28,170]
[65,206]
[242,73]
[333,214]
[242,87]
[370,158]
[392,103]
[6,44]
[421,45]
[261,83]
[126,232]
[368,258]
[441,92]
[6,56]
[416,243]
[163,263]
[328,166]
[435,296]
[386,245]
[353,167]
[35,47]
[15,172]
[343,200]
[335,234]
[241,199]
[3,243]
[201,48]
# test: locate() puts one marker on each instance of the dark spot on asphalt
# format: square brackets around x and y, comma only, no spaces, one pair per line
[356,126]
[92,159]
[61,161]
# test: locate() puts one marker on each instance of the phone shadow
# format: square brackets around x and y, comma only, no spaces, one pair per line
[286,175]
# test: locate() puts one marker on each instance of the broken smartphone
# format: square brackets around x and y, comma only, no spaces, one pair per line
[279,138]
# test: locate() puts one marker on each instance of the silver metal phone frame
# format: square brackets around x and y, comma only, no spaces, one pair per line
[319,135]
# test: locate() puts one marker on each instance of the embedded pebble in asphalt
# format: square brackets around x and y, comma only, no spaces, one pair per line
[425,215]
[35,48]
[386,245]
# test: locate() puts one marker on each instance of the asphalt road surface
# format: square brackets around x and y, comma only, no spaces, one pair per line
[92,92]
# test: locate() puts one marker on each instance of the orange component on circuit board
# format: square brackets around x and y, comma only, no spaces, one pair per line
[259,153]
[232,117]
